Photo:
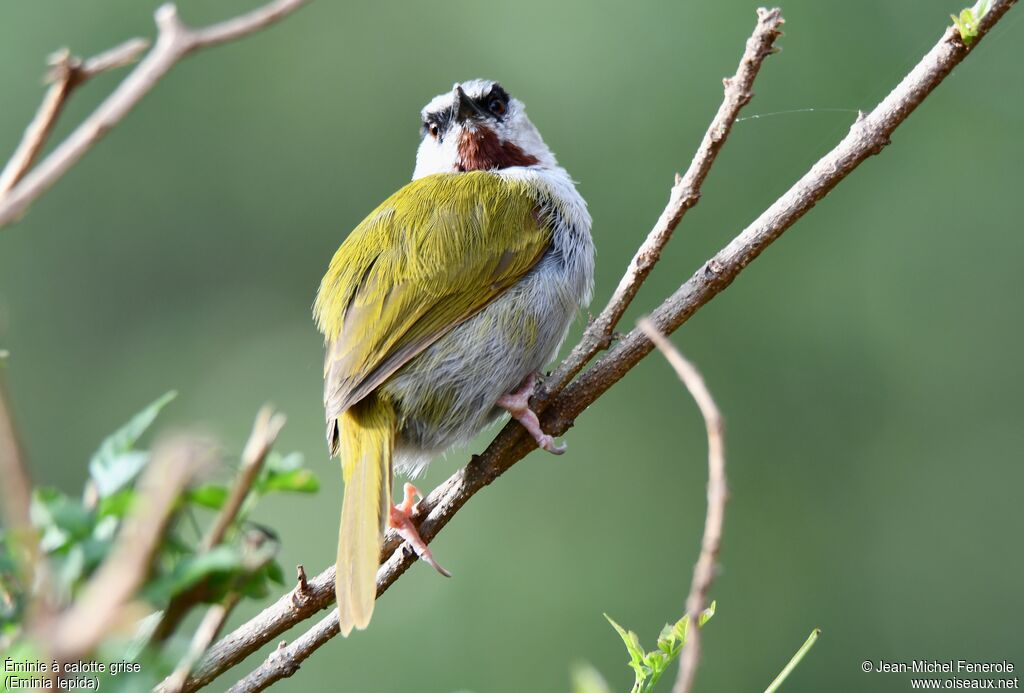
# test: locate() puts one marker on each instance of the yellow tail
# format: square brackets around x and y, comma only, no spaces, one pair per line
[367,436]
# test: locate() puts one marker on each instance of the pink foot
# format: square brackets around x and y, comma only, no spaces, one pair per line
[518,405]
[398,519]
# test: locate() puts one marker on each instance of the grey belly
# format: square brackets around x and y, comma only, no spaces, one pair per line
[447,394]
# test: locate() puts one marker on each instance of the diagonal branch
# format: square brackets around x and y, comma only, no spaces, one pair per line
[685,194]
[718,495]
[17,484]
[174,42]
[868,136]
[66,73]
[264,433]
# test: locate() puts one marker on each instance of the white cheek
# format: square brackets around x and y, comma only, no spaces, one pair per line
[436,157]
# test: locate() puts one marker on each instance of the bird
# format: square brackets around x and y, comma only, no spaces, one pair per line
[439,311]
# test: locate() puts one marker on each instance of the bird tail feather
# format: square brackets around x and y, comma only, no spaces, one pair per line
[367,435]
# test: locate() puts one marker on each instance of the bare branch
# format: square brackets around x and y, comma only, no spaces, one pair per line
[301,590]
[16,494]
[265,430]
[684,194]
[119,56]
[17,484]
[286,659]
[208,628]
[718,495]
[867,136]
[114,584]
[66,73]
[174,42]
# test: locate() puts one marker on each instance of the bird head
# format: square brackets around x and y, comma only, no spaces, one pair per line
[478,126]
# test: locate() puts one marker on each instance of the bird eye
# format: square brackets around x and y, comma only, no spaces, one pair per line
[497,107]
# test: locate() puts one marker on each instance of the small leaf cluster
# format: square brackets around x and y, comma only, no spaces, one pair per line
[75,535]
[969,21]
[649,666]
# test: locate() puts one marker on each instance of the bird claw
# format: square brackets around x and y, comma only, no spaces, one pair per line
[518,405]
[546,442]
[400,519]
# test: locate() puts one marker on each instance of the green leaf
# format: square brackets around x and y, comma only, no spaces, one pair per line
[586,679]
[708,613]
[116,505]
[221,561]
[72,568]
[275,573]
[253,586]
[296,481]
[656,660]
[61,519]
[968,23]
[636,653]
[209,496]
[115,464]
[631,639]
[285,473]
[276,462]
[649,666]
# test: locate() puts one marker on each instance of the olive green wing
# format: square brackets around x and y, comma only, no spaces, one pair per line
[429,257]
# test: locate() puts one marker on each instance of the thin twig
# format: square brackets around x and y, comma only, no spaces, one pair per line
[174,41]
[16,493]
[205,634]
[256,556]
[718,496]
[66,73]
[867,136]
[264,432]
[796,659]
[684,194]
[175,462]
[17,484]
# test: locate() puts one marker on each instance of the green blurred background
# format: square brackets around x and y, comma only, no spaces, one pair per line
[869,364]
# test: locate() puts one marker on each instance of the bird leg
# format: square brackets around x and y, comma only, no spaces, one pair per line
[399,519]
[518,405]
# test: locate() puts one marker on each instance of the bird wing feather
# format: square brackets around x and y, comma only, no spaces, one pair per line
[432,255]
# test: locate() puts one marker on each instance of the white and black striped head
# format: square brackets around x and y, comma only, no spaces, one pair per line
[478,126]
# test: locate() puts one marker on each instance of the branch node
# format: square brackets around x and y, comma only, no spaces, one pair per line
[300,595]
[167,20]
[62,66]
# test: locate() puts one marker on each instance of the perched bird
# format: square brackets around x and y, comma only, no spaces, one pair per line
[439,310]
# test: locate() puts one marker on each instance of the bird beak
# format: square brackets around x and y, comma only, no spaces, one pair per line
[464,106]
